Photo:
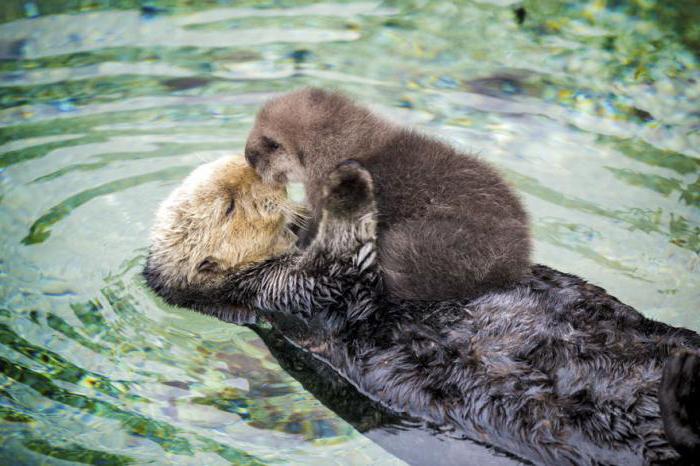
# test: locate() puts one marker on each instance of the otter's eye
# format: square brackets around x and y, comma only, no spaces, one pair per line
[270,144]
[208,265]
[231,207]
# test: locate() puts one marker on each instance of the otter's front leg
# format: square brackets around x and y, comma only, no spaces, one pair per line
[338,270]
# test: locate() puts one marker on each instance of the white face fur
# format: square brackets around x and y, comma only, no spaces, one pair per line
[220,218]
[282,167]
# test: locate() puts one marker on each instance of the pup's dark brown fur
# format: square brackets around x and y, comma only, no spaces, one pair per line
[449,225]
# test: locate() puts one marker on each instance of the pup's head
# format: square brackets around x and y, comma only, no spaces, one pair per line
[222,217]
[293,131]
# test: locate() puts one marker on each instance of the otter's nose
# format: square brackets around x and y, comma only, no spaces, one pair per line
[252,156]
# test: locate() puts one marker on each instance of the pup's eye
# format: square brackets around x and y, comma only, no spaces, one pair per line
[270,144]
[231,207]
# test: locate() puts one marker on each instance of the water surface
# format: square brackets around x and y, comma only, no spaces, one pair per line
[591,109]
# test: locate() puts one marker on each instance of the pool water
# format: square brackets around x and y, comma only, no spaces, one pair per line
[591,108]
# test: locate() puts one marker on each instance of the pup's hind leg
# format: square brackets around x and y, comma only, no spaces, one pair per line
[435,259]
[679,399]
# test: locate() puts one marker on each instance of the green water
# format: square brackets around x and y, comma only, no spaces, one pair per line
[592,109]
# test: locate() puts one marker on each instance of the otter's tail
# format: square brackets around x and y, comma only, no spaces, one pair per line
[679,399]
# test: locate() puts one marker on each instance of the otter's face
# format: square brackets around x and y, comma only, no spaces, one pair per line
[291,129]
[274,157]
[221,218]
[272,150]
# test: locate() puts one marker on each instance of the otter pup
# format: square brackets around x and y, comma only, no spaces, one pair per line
[449,225]
[551,369]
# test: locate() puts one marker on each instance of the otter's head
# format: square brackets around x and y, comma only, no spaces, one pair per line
[295,131]
[221,218]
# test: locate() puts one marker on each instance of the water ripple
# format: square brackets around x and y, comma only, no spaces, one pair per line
[591,111]
[66,34]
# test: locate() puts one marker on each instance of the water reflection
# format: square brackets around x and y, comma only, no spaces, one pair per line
[590,108]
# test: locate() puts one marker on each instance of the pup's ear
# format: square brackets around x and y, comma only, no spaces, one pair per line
[209,265]
[349,190]
[316,95]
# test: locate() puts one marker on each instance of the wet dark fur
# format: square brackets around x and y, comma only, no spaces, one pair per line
[449,225]
[411,439]
[679,397]
[551,369]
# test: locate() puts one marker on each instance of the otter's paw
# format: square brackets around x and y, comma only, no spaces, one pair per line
[348,191]
[679,399]
[231,313]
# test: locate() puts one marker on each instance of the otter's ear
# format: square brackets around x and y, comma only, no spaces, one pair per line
[209,265]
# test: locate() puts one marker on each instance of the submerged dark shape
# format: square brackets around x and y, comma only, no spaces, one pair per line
[182,84]
[427,193]
[551,369]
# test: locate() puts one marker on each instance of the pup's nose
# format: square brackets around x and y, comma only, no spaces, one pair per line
[251,155]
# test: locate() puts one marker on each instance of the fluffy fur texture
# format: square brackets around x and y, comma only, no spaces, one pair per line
[427,193]
[221,217]
[410,439]
[551,369]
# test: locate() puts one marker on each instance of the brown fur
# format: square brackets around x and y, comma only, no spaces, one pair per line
[220,218]
[551,369]
[449,225]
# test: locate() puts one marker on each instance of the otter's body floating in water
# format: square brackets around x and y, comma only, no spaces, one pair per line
[449,225]
[551,369]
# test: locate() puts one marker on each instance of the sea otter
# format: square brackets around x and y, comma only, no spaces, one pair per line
[550,369]
[221,217]
[427,194]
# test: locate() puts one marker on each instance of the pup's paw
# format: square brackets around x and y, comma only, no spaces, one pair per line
[679,399]
[349,190]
